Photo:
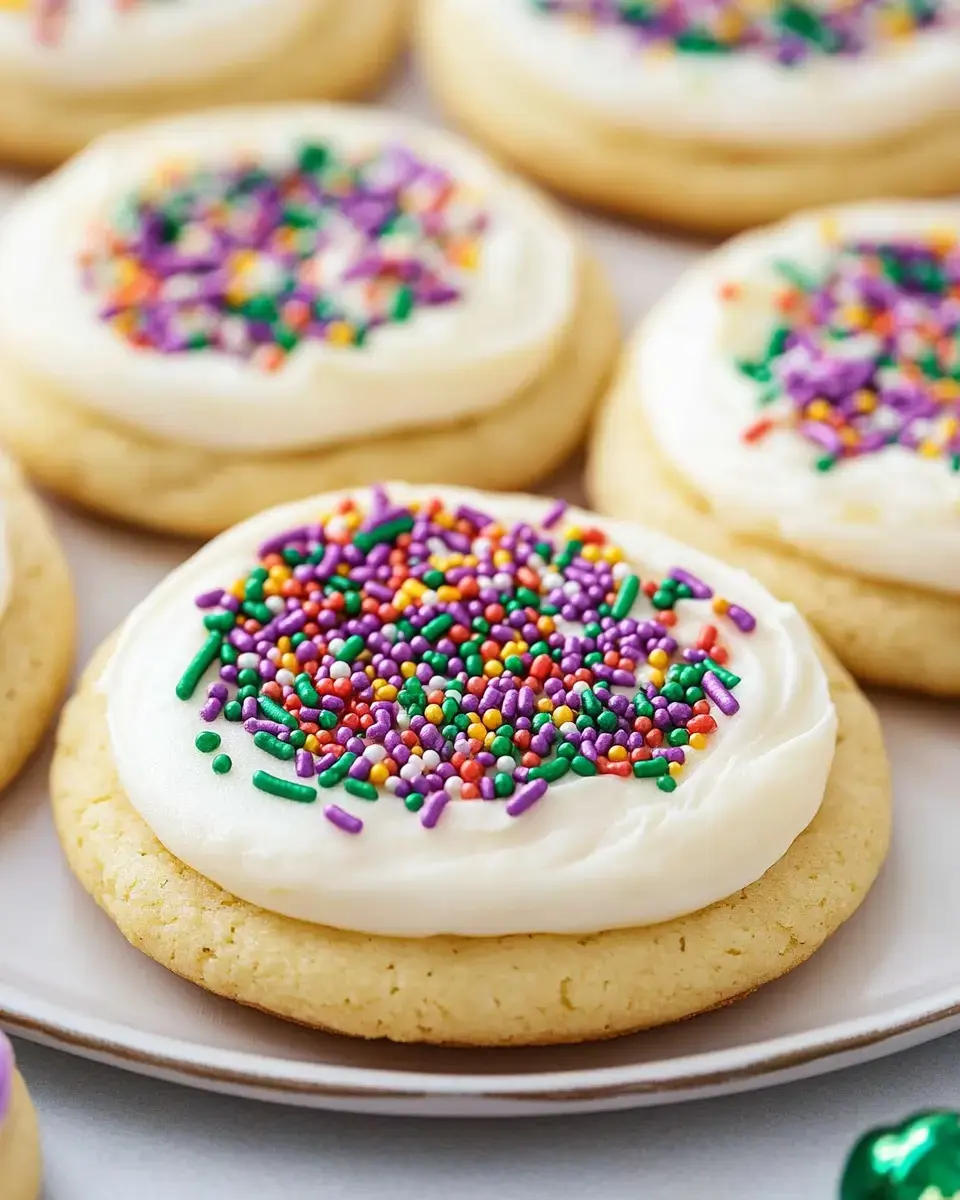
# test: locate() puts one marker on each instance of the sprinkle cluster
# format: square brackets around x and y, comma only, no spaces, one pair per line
[50,16]
[866,354]
[437,655]
[784,31]
[251,260]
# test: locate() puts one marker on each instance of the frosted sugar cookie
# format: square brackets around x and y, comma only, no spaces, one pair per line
[715,114]
[794,406]
[36,622]
[19,1141]
[202,317]
[71,70]
[448,766]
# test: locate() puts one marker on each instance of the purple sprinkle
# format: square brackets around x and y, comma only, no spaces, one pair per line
[343,820]
[745,621]
[526,797]
[432,809]
[722,698]
[699,589]
[554,514]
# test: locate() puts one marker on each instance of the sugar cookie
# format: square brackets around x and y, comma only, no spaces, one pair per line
[794,406]
[71,70]
[462,767]
[712,115]
[19,1140]
[190,330]
[36,622]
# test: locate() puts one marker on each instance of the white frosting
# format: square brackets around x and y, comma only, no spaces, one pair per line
[593,854]
[103,49]
[442,364]
[894,515]
[739,97]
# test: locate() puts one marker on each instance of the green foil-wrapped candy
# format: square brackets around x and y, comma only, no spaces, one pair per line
[918,1160]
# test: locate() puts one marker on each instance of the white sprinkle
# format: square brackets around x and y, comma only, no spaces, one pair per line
[428,597]
[276,604]
[248,661]
[552,581]
[285,678]
[340,670]
[374,753]
[403,720]
[505,764]
[430,759]
[437,683]
[621,570]
[389,632]
[335,645]
[412,769]
[452,786]
[392,783]
[503,582]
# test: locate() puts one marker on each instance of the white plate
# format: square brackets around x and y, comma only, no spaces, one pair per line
[889,979]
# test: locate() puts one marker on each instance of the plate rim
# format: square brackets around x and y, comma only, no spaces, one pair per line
[200,1065]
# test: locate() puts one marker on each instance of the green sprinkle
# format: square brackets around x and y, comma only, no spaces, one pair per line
[222,764]
[414,802]
[607,721]
[248,678]
[663,599]
[259,612]
[626,595]
[282,787]
[501,746]
[503,784]
[434,579]
[583,766]
[678,737]
[233,710]
[551,771]
[514,663]
[666,783]
[207,742]
[202,660]
[223,621]
[672,691]
[727,678]
[651,768]
[365,540]
[825,462]
[306,691]
[333,775]
[273,745]
[435,629]
[351,648]
[528,598]
[361,789]
[276,712]
[567,750]
[591,705]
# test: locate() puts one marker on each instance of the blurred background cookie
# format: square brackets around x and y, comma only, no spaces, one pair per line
[793,405]
[71,70]
[19,1140]
[203,317]
[710,115]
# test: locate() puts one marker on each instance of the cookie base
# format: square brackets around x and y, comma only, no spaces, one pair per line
[37,627]
[177,488]
[20,1147]
[500,991]
[885,633]
[332,57]
[710,186]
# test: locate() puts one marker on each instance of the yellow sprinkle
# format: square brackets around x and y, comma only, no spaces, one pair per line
[340,333]
[655,677]
[271,587]
[407,669]
[546,625]
[239,589]
[818,410]
[865,400]
[477,731]
[414,587]
[613,554]
[562,715]
[489,739]
[492,669]
[311,744]
[284,645]
[434,714]
[387,692]
[942,239]
[658,658]
[448,595]
[378,774]
[591,553]
[698,741]
[492,718]
[574,533]
[720,605]
[676,769]
[343,569]
[501,558]
[444,519]
[929,449]
[829,229]
[289,662]
[617,753]
[417,750]
[545,704]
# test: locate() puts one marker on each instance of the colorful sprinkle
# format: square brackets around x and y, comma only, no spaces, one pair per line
[436,656]
[787,32]
[251,261]
[867,354]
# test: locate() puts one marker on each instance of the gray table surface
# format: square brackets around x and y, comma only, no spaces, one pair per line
[109,1135]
